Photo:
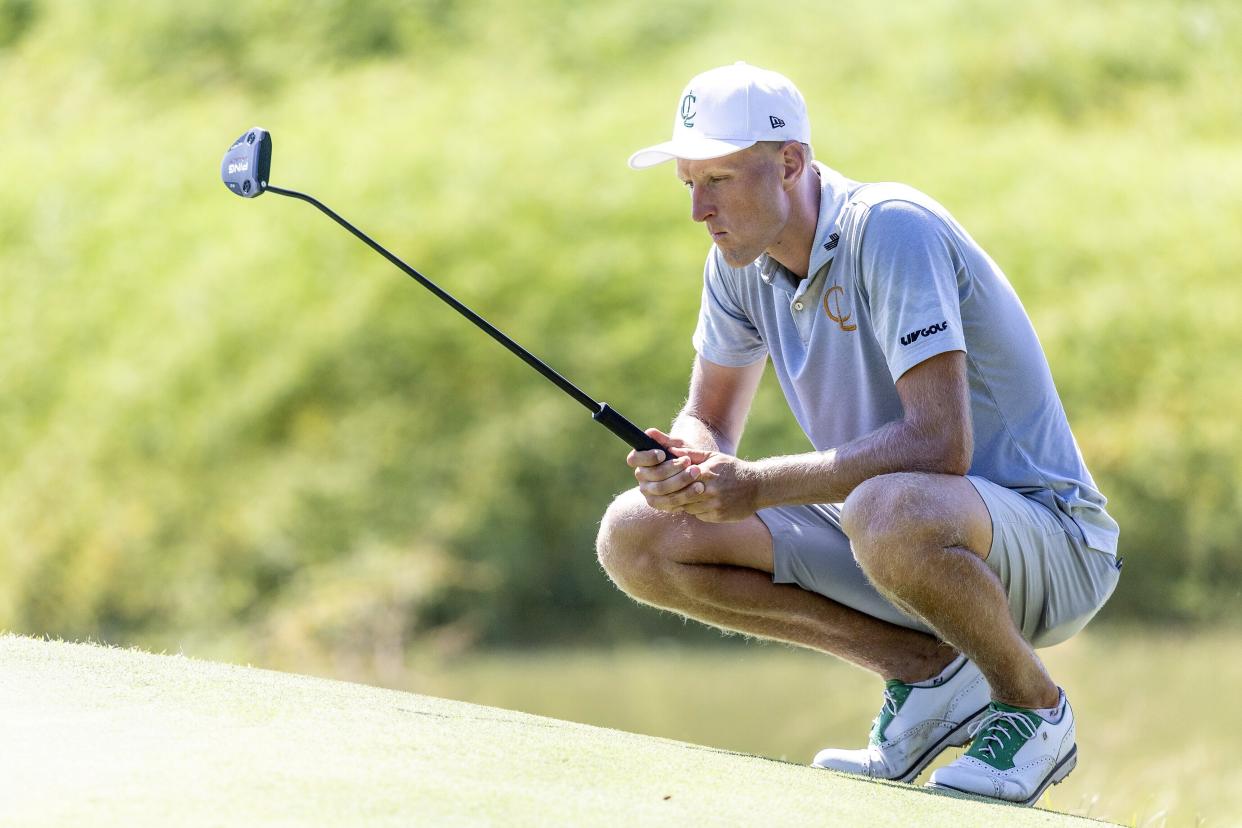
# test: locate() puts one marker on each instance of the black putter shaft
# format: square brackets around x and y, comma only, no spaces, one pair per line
[601,412]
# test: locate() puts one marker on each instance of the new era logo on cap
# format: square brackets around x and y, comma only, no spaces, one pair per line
[776,122]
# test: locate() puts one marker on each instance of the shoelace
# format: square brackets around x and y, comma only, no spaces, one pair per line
[992,725]
[890,703]
[889,706]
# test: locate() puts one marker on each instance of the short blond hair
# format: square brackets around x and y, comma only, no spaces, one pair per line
[777,146]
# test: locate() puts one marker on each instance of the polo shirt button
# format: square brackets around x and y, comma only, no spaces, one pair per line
[797,306]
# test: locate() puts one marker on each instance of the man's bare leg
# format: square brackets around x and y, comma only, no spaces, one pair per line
[721,574]
[922,539]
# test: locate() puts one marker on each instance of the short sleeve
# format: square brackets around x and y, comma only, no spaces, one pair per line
[725,334]
[909,273]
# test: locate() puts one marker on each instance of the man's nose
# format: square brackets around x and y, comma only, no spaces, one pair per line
[700,209]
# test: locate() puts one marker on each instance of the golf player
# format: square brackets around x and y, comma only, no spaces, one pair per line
[945,524]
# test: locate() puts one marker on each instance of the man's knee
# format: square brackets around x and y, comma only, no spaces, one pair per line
[892,518]
[878,506]
[886,515]
[629,544]
[648,553]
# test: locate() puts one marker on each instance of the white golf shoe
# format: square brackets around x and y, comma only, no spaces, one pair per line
[1016,755]
[918,722]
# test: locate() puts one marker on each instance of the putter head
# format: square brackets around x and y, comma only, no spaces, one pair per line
[246,164]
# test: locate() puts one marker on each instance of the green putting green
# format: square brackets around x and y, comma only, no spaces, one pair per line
[104,736]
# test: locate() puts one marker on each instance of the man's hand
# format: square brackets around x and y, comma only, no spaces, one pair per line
[712,486]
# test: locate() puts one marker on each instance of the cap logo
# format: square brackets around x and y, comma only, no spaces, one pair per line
[687,110]
[776,122]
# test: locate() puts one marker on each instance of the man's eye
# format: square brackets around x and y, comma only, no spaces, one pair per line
[713,179]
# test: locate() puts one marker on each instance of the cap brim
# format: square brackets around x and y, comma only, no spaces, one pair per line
[690,148]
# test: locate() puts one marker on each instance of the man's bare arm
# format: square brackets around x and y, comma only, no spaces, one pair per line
[935,435]
[714,415]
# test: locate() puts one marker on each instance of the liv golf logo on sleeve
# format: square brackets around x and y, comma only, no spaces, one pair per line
[913,336]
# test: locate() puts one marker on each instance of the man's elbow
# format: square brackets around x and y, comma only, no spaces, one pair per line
[957,466]
[955,455]
[946,450]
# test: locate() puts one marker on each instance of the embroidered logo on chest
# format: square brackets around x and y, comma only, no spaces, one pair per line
[835,307]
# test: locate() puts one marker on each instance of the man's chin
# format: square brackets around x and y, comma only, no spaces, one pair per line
[735,258]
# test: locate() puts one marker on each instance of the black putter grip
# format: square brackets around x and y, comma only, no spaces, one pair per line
[634,436]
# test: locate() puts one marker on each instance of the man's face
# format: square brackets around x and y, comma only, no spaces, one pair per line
[740,198]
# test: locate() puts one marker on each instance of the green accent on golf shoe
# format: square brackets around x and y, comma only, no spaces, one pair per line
[1001,733]
[895,694]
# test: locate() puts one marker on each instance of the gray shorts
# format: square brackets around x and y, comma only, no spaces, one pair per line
[1055,583]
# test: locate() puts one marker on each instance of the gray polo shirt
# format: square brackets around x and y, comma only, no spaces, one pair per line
[895,280]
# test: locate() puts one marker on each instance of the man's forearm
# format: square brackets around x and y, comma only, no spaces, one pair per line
[829,476]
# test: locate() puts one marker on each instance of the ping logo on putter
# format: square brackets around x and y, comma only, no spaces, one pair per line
[246,164]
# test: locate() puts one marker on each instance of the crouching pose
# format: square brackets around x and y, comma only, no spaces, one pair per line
[945,525]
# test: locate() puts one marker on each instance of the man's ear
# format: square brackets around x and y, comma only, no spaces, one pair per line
[793,164]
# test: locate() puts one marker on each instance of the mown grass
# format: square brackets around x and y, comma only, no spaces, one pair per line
[1157,732]
[112,737]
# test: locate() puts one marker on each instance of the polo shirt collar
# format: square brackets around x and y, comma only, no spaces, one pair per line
[833,195]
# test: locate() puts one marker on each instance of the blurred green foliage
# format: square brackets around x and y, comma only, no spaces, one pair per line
[227,421]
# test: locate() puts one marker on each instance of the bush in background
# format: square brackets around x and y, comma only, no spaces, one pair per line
[226,423]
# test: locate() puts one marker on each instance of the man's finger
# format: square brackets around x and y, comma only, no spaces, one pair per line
[661,471]
[664,470]
[673,502]
[664,439]
[673,446]
[667,485]
[651,457]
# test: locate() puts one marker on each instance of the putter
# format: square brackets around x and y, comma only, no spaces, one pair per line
[245,171]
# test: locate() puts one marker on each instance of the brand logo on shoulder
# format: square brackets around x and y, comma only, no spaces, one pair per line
[776,122]
[832,241]
[913,336]
[687,110]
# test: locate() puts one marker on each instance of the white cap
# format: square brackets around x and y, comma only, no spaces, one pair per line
[728,109]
